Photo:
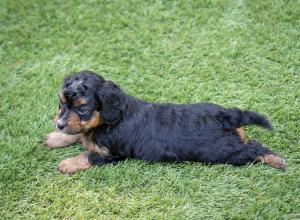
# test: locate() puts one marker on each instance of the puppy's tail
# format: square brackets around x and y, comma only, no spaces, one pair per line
[235,118]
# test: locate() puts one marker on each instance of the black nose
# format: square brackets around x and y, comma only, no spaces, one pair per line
[60,125]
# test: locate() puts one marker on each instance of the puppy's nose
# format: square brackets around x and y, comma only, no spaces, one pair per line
[60,125]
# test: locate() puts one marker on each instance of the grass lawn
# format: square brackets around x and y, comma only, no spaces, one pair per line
[236,53]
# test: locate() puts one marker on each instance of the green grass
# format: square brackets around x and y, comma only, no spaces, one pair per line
[236,53]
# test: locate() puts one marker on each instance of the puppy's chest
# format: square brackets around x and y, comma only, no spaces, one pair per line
[90,145]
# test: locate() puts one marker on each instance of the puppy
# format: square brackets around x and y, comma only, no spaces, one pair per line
[113,126]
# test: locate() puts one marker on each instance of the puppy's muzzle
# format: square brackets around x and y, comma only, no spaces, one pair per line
[60,124]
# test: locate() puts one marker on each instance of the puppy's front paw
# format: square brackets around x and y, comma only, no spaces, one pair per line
[51,140]
[74,164]
[57,139]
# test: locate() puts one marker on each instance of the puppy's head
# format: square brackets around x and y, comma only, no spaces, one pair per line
[88,101]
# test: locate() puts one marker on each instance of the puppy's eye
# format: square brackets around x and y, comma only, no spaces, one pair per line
[82,110]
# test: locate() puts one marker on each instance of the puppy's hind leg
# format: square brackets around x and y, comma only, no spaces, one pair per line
[241,133]
[58,139]
[254,151]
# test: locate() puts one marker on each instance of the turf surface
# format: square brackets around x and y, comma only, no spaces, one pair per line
[235,53]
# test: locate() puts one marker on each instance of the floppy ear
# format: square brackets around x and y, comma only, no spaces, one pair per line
[113,102]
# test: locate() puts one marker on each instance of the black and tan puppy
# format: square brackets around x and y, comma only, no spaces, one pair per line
[113,126]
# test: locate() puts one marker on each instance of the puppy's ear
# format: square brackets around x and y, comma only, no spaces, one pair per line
[113,102]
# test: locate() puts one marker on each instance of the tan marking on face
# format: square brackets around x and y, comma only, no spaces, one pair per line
[94,121]
[56,118]
[79,101]
[273,160]
[57,115]
[90,145]
[75,164]
[241,132]
[73,123]
[62,97]
[58,139]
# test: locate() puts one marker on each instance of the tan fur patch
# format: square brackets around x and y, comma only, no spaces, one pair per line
[79,101]
[62,97]
[74,164]
[73,123]
[95,121]
[57,115]
[273,160]
[58,139]
[241,132]
[89,144]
